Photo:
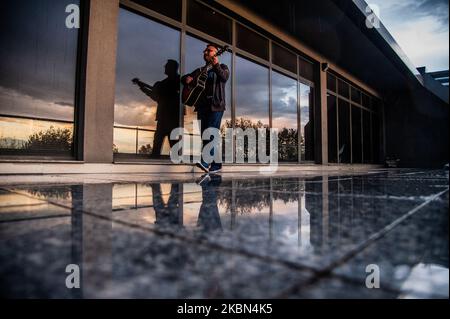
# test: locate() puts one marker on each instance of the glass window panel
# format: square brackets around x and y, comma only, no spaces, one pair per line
[194,60]
[144,195]
[209,21]
[138,57]
[376,137]
[252,42]
[307,122]
[356,135]
[306,69]
[145,142]
[332,128]
[38,56]
[284,58]
[123,196]
[252,95]
[331,82]
[367,138]
[376,105]
[125,140]
[284,116]
[343,88]
[356,95]
[170,8]
[366,101]
[344,131]
[252,91]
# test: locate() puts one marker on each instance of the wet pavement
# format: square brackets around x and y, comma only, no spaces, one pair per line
[229,236]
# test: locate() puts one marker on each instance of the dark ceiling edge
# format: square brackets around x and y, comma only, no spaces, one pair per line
[225,10]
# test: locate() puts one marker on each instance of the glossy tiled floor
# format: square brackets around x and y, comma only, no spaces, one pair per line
[227,236]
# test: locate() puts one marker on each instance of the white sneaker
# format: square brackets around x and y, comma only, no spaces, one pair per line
[217,170]
[203,179]
[202,167]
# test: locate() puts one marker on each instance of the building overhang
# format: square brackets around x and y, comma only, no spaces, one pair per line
[337,30]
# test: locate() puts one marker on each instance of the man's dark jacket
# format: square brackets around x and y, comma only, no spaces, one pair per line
[213,97]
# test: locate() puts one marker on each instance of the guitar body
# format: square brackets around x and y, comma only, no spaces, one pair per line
[192,91]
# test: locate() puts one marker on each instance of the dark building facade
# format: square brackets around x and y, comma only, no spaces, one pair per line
[339,91]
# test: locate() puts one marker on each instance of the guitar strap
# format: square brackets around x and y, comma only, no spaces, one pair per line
[214,84]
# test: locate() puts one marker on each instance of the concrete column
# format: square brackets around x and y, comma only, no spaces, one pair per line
[320,116]
[100,81]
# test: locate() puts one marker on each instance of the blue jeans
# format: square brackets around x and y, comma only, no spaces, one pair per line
[209,119]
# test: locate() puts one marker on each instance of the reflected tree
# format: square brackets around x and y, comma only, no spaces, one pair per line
[244,124]
[54,138]
[10,143]
[245,204]
[287,139]
[52,192]
[145,149]
[287,144]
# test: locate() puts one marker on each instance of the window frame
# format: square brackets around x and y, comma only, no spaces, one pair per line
[363,108]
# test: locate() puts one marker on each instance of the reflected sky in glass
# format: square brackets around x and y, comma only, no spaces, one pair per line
[284,115]
[305,116]
[37,68]
[144,46]
[306,122]
[252,91]
[37,59]
[284,101]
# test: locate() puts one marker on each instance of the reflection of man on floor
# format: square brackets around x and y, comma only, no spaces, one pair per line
[208,217]
[167,94]
[166,214]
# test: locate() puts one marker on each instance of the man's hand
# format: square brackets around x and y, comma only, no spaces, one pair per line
[189,79]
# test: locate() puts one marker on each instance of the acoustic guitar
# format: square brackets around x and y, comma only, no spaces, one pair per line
[192,91]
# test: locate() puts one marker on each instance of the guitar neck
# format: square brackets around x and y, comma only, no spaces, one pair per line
[143,84]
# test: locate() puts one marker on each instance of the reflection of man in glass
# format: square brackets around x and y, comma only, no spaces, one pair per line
[208,216]
[211,104]
[167,94]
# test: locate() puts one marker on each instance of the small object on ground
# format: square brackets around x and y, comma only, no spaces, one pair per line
[392,162]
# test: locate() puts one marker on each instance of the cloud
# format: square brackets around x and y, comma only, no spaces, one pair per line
[421,29]
[37,52]
[14,102]
[64,104]
[414,9]
[423,46]
[135,114]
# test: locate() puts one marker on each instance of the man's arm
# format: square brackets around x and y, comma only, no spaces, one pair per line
[221,71]
[151,92]
[147,91]
[191,75]
[154,93]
